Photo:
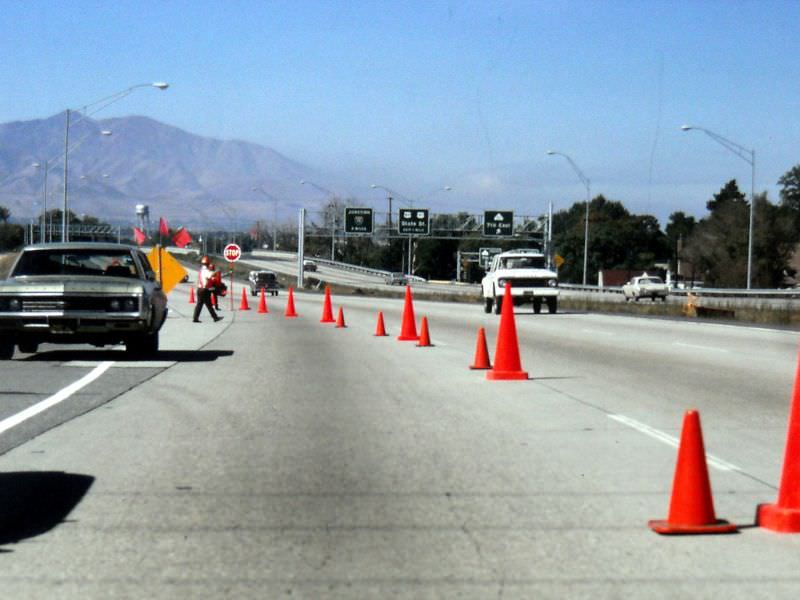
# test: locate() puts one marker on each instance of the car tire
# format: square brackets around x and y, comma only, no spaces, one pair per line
[552,305]
[537,305]
[487,305]
[144,345]
[28,347]
[6,349]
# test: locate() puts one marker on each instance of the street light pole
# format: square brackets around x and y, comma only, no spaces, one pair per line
[587,183]
[749,156]
[274,214]
[103,102]
[332,205]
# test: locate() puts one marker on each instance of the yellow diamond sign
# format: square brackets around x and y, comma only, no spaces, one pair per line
[168,270]
[559,260]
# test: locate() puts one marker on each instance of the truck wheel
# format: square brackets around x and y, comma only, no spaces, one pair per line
[537,305]
[498,306]
[487,305]
[552,305]
[6,349]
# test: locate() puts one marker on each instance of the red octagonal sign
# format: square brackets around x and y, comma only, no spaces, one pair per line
[232,252]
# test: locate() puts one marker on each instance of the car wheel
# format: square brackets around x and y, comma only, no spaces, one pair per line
[537,305]
[142,345]
[552,305]
[28,347]
[498,306]
[487,305]
[6,349]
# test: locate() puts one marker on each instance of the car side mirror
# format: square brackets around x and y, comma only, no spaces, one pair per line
[150,275]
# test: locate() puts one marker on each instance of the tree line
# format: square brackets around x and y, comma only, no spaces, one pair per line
[712,249]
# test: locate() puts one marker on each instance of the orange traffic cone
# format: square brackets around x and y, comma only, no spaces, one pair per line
[481,360]
[191,295]
[506,355]
[408,328]
[340,318]
[691,509]
[380,330]
[290,311]
[784,515]
[244,305]
[327,311]
[262,303]
[424,337]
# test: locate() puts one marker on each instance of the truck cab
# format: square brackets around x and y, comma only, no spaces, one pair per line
[530,279]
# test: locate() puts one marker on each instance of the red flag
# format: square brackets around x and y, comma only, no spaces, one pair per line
[181,238]
[163,228]
[139,235]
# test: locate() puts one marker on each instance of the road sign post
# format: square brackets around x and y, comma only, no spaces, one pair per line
[411,222]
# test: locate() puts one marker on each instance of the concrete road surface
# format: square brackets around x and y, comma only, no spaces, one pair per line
[314,462]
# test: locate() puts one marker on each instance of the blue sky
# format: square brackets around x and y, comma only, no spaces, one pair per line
[418,95]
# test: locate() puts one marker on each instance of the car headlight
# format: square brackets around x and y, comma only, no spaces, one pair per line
[14,305]
[123,305]
[552,282]
[130,305]
[501,282]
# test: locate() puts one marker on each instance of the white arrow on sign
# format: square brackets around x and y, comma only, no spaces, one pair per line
[498,217]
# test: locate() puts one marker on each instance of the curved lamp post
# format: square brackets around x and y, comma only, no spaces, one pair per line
[102,102]
[274,214]
[333,213]
[587,183]
[748,156]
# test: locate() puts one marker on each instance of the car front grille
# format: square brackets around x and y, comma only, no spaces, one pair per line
[527,283]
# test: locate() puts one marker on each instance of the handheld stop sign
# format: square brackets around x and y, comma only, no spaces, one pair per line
[232,253]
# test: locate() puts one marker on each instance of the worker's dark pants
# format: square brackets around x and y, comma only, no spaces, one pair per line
[204,299]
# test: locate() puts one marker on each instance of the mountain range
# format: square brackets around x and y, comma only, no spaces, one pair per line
[186,178]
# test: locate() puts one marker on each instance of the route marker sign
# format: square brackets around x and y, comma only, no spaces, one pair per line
[498,222]
[357,220]
[414,221]
[232,252]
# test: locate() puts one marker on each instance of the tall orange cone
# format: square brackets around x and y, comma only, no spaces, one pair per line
[290,311]
[244,305]
[340,318]
[481,360]
[262,303]
[408,328]
[507,364]
[327,311]
[191,295]
[784,515]
[691,509]
[424,337]
[380,329]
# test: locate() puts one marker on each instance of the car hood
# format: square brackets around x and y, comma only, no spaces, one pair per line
[525,274]
[56,284]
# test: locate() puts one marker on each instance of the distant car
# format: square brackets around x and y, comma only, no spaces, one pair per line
[81,293]
[309,265]
[263,280]
[645,286]
[395,279]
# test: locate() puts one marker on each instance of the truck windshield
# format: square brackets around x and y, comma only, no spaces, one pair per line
[524,262]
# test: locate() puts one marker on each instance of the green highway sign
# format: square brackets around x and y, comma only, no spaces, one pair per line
[357,220]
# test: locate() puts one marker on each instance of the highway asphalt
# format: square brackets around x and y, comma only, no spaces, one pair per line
[266,457]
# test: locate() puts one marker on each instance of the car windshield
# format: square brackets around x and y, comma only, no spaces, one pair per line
[115,263]
[265,277]
[650,280]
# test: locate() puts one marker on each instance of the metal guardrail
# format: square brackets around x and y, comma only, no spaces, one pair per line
[791,293]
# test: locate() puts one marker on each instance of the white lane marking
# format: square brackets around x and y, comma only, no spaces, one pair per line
[713,461]
[59,396]
[597,331]
[696,347]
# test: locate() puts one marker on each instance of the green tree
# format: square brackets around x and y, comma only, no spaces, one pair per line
[617,239]
[678,230]
[5,214]
[11,236]
[790,192]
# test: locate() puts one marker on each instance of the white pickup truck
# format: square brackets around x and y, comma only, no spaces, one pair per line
[645,286]
[531,281]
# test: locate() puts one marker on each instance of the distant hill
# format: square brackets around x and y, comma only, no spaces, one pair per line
[187,178]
